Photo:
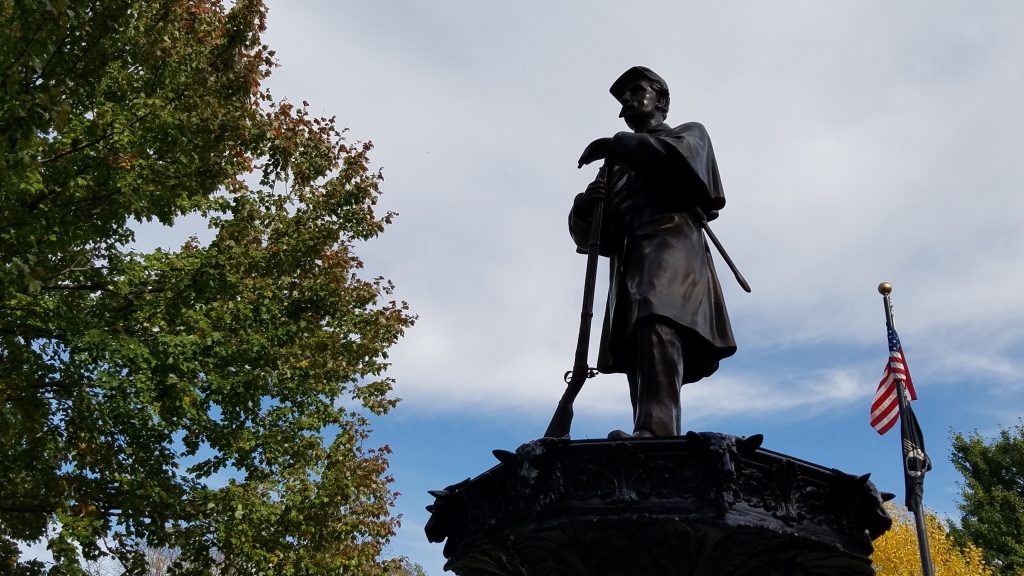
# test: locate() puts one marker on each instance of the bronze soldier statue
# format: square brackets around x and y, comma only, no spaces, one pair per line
[665,322]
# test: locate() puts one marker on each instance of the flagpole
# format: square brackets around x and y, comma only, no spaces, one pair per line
[915,504]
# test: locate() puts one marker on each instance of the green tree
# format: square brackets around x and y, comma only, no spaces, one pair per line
[993,496]
[403,566]
[211,399]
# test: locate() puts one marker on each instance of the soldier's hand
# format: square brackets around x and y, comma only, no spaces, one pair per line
[596,192]
[597,189]
[596,150]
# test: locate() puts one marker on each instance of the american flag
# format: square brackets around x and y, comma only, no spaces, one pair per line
[885,410]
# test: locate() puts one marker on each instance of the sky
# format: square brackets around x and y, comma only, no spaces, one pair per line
[858,142]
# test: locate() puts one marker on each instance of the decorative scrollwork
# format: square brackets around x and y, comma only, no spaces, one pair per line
[700,505]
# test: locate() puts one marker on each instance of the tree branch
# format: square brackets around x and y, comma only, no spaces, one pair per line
[88,287]
[28,45]
[31,332]
[26,509]
[36,508]
[80,147]
[96,141]
[46,65]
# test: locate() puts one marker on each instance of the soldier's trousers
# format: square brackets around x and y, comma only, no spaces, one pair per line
[656,377]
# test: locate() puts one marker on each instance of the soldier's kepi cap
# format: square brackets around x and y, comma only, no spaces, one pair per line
[632,75]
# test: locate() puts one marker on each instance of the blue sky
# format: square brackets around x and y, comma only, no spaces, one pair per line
[858,142]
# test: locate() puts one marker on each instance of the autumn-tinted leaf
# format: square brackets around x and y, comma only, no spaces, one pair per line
[208,400]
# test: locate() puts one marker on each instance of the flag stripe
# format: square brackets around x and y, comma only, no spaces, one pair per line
[885,424]
[884,407]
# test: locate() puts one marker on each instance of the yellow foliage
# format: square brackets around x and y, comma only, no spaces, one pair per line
[896,552]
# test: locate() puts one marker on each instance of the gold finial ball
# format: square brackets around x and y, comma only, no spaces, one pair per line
[884,288]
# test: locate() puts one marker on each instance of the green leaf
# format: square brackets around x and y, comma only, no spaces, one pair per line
[134,383]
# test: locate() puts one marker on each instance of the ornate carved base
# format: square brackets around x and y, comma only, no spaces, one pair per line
[703,504]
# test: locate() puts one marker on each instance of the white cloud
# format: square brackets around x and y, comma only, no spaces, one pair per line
[858,143]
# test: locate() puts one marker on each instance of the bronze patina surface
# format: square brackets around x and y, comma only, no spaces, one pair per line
[703,504]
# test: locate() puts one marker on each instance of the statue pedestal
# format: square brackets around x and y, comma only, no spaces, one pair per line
[703,504]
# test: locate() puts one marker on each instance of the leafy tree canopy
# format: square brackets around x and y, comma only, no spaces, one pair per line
[896,552]
[403,566]
[993,496]
[209,399]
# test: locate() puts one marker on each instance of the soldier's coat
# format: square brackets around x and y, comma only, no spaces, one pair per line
[660,264]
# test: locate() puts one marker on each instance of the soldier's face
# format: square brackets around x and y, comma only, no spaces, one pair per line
[640,106]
